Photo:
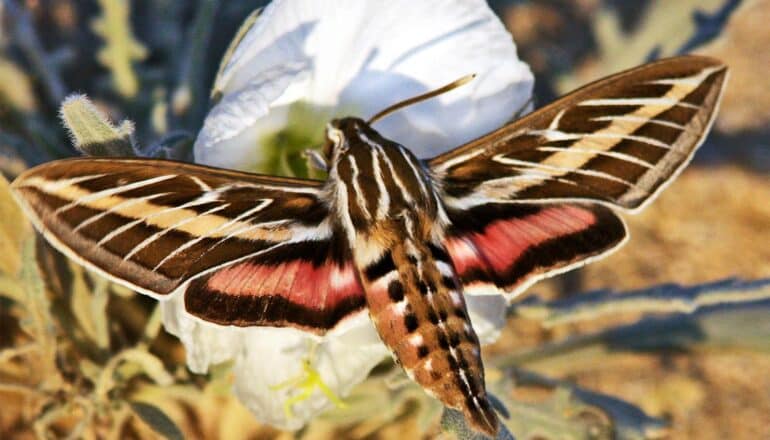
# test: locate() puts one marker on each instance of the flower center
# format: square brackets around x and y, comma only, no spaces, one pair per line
[306,384]
[284,149]
[304,130]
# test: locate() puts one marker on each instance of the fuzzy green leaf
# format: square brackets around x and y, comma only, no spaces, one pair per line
[151,365]
[733,326]
[16,87]
[92,132]
[12,289]
[127,364]
[38,320]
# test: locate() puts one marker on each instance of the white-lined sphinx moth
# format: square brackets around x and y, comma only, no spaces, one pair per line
[401,238]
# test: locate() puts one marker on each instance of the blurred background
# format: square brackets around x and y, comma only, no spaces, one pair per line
[64,370]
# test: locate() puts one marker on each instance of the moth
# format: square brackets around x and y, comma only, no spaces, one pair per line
[388,234]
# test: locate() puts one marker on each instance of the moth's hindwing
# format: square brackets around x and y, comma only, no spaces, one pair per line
[311,285]
[616,141]
[227,239]
[507,247]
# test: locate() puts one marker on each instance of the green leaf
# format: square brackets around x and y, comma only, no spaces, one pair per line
[38,321]
[36,302]
[121,48]
[91,130]
[12,289]
[14,230]
[89,306]
[129,363]
[189,97]
[571,412]
[16,88]
[719,326]
[151,365]
[666,298]
[629,421]
[157,420]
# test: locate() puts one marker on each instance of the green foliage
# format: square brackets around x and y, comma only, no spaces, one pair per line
[91,131]
[121,48]
[574,412]
[663,27]
[75,372]
[286,148]
[189,98]
[16,88]
[454,422]
[668,298]
[15,231]
[89,307]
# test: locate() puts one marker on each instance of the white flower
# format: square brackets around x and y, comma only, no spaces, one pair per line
[356,57]
[301,63]
[268,360]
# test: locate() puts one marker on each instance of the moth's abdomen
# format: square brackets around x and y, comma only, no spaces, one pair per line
[420,315]
[391,214]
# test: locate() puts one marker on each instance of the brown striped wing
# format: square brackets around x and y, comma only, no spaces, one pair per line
[245,249]
[617,141]
[525,202]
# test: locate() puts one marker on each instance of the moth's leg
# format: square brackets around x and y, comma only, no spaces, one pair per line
[316,160]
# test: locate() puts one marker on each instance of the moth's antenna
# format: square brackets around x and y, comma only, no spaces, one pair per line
[407,102]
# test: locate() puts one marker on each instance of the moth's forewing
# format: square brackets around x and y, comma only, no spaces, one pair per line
[161,227]
[616,141]
[517,197]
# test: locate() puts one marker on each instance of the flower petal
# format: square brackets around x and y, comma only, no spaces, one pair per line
[206,344]
[246,112]
[339,56]
[266,357]
[366,55]
[487,313]
[272,356]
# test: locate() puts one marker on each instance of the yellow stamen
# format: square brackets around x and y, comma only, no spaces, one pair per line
[307,382]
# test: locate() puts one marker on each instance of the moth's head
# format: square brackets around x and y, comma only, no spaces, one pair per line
[340,135]
[344,133]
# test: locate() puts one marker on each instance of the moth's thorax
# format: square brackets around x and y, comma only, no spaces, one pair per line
[391,214]
[375,179]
